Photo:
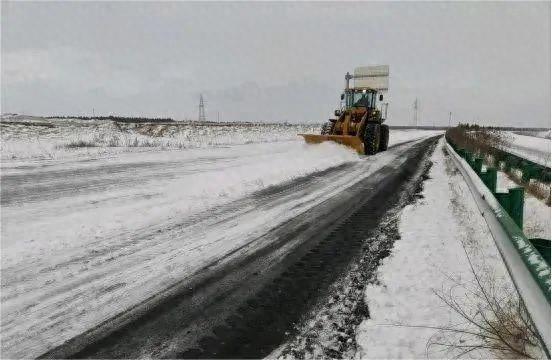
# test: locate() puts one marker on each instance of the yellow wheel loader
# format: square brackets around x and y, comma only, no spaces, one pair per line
[359,122]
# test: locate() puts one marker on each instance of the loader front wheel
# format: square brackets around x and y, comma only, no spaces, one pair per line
[326,128]
[384,140]
[372,137]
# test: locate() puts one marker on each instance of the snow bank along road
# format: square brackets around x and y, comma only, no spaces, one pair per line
[166,244]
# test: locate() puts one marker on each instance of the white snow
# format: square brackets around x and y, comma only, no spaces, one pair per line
[85,238]
[436,234]
[73,261]
[536,214]
[532,148]
[53,140]
[543,134]
[400,136]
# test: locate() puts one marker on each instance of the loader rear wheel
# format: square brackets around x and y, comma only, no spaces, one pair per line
[384,140]
[372,135]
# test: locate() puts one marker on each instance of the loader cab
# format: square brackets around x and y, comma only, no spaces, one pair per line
[359,97]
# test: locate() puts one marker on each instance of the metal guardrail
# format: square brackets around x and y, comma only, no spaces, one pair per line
[529,271]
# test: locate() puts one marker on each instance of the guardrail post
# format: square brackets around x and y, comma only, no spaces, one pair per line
[499,156]
[478,165]
[504,165]
[514,162]
[512,202]
[485,178]
[469,158]
[491,179]
[546,175]
[504,200]
[467,155]
[517,197]
[462,153]
[508,163]
[543,247]
[525,172]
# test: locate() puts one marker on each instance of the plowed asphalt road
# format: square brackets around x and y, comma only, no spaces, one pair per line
[244,303]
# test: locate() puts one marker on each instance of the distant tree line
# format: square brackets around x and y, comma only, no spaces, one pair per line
[504,128]
[468,126]
[126,119]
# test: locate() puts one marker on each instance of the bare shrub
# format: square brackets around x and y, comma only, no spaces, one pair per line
[479,140]
[80,144]
[494,319]
[154,130]
[540,191]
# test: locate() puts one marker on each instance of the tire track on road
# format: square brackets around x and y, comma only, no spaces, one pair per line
[241,309]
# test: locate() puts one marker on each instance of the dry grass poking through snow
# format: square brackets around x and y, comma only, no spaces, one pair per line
[494,319]
[69,138]
[536,188]
[477,139]
[80,144]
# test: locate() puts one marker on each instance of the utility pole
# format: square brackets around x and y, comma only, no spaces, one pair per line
[416,112]
[201,116]
[93,113]
[450,118]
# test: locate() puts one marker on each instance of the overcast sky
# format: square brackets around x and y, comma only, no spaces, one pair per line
[488,62]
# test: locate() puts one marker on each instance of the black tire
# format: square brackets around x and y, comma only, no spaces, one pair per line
[372,136]
[326,128]
[384,139]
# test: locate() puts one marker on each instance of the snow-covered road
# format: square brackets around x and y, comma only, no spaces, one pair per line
[86,239]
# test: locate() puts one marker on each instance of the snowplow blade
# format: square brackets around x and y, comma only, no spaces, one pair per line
[347,140]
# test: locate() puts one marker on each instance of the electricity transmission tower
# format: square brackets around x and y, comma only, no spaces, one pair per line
[416,106]
[201,116]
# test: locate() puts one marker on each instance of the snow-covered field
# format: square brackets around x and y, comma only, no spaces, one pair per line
[54,139]
[545,134]
[89,231]
[533,148]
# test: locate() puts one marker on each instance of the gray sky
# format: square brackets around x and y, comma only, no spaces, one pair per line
[277,61]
